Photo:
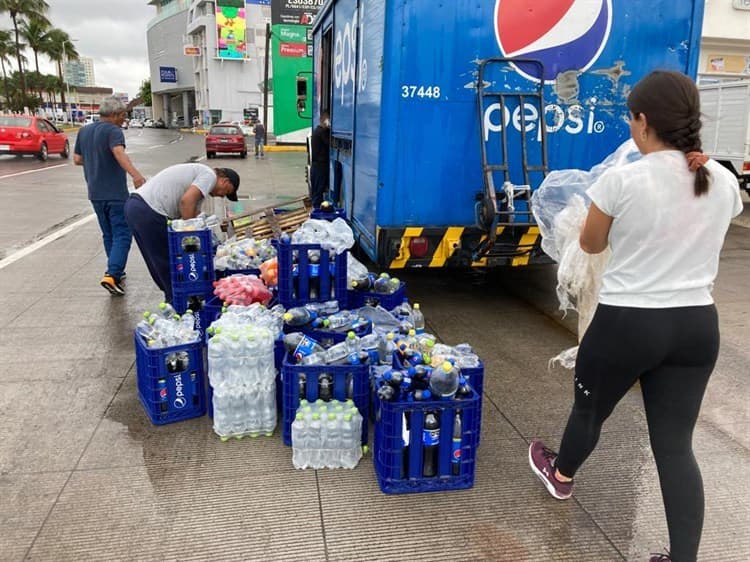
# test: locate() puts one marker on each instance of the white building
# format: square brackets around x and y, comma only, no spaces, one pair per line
[189,78]
[171,72]
[79,72]
[725,45]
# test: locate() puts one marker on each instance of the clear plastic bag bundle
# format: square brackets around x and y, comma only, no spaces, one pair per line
[560,206]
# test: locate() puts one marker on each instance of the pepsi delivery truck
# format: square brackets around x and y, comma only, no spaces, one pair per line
[447,114]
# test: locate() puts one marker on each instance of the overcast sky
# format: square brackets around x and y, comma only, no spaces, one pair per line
[112,32]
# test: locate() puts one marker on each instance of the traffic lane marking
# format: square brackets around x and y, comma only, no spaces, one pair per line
[23,252]
[33,171]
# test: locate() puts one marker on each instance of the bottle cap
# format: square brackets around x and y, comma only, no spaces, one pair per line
[351,335]
[319,401]
[447,366]
[316,416]
[429,343]
[300,416]
[303,402]
[390,336]
[347,417]
[350,402]
[307,409]
[146,314]
[426,394]
[416,306]
[287,317]
[412,332]
[331,416]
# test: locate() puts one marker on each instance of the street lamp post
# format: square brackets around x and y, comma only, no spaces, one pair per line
[66,109]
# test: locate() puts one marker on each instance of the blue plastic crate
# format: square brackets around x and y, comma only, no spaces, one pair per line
[334,214]
[278,359]
[196,300]
[474,375]
[296,281]
[191,259]
[169,396]
[290,375]
[357,299]
[400,470]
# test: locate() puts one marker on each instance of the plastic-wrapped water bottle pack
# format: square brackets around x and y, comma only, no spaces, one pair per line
[241,370]
[327,435]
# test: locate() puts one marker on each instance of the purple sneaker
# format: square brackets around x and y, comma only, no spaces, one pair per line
[542,462]
[659,558]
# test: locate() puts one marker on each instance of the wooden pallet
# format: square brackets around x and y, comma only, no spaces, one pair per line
[270,222]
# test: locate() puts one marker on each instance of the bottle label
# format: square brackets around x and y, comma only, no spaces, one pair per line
[314,269]
[430,437]
[456,454]
[305,347]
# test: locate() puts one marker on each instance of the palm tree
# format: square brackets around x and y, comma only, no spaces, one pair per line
[19,11]
[36,33]
[6,51]
[59,48]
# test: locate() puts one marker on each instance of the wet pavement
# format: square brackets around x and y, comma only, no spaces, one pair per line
[85,476]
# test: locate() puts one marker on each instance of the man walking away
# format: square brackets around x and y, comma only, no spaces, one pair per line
[320,144]
[260,139]
[176,192]
[100,149]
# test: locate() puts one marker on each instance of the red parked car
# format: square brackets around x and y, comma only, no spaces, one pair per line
[225,138]
[25,134]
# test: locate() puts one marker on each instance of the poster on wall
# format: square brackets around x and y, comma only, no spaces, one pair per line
[230,29]
[292,58]
[731,64]
[294,12]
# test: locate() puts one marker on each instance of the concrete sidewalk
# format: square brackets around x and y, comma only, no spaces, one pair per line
[85,476]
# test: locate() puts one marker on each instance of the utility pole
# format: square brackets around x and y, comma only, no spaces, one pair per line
[265,78]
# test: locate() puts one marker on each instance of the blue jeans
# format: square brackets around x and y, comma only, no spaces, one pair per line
[115,234]
[259,142]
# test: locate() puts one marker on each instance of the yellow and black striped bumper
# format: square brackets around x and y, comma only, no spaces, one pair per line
[453,247]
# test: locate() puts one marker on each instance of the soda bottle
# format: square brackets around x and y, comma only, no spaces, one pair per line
[299,316]
[325,387]
[161,387]
[420,395]
[366,283]
[464,391]
[313,270]
[430,444]
[302,386]
[444,381]
[456,445]
[405,437]
[386,393]
[383,284]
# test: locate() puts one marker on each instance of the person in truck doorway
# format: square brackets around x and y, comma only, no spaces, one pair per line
[664,217]
[320,145]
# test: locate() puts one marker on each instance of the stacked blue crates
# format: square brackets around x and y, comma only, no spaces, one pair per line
[191,264]
[399,464]
[171,390]
[298,282]
[340,375]
[389,301]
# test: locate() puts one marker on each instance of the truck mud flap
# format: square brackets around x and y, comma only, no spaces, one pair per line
[419,247]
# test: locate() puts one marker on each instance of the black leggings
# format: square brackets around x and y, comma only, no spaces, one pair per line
[672,351]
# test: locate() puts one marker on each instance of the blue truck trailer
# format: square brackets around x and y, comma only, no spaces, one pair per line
[447,114]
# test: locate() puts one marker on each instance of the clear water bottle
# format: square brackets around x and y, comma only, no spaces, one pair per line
[417,318]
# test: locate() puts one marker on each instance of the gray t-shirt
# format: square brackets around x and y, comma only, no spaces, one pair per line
[163,191]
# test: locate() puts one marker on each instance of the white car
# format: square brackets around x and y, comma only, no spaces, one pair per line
[247,130]
[136,124]
[148,123]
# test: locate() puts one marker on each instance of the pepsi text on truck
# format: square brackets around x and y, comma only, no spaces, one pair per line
[445,116]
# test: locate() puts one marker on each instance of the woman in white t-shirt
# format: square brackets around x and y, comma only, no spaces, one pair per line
[665,218]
